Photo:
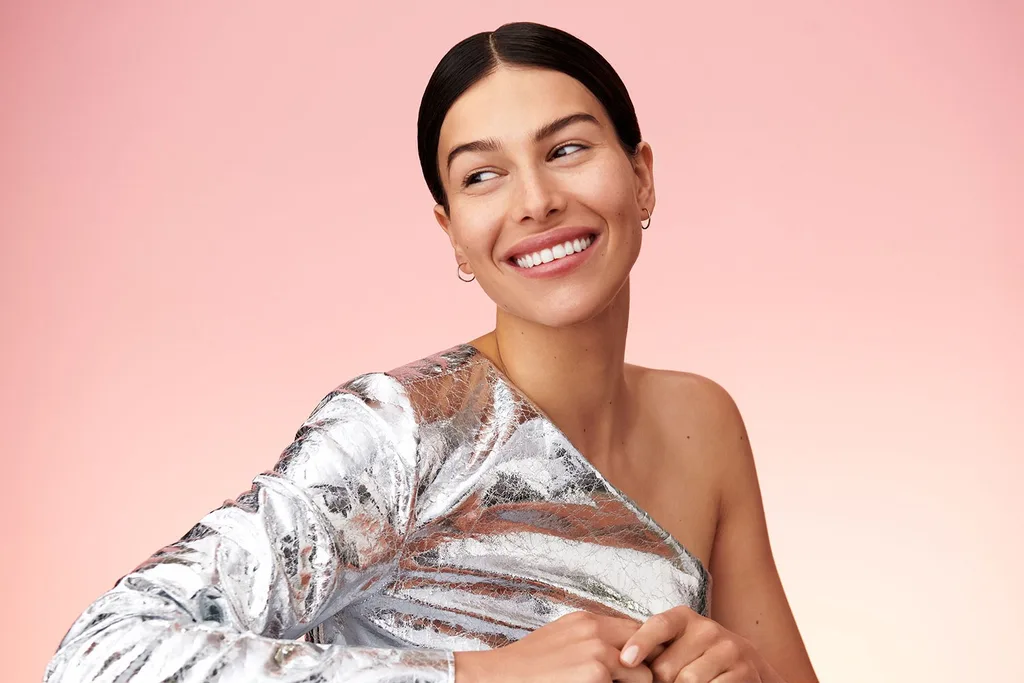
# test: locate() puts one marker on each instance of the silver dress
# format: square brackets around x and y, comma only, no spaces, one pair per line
[418,512]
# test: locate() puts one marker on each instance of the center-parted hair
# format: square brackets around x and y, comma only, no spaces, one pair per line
[522,44]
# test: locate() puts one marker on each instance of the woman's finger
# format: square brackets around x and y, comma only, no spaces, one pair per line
[704,669]
[655,653]
[677,655]
[632,674]
[617,631]
[660,628]
[614,631]
[737,677]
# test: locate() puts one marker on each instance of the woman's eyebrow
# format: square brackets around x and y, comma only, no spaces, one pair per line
[547,130]
[558,124]
[486,145]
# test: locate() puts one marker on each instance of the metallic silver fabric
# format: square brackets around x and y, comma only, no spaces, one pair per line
[419,512]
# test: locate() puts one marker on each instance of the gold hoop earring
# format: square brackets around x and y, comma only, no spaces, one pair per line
[648,219]
[459,267]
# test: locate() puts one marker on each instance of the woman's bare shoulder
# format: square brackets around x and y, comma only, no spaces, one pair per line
[696,450]
[687,397]
[700,424]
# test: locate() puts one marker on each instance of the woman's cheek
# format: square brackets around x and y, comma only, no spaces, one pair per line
[605,189]
[479,235]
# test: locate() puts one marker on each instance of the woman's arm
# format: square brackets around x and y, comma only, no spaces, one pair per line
[747,594]
[226,601]
[751,634]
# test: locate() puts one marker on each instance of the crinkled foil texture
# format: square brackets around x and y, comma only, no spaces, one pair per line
[419,512]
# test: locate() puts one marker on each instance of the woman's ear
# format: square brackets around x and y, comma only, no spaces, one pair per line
[643,167]
[442,218]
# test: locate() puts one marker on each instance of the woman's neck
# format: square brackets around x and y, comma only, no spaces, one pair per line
[576,374]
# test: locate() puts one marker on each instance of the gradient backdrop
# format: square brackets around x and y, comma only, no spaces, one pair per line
[212,214]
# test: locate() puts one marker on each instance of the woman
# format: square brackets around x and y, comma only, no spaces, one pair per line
[440,522]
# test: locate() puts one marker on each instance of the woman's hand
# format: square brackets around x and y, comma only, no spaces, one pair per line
[680,646]
[577,648]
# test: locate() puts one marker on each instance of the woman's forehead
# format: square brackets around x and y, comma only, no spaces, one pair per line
[511,103]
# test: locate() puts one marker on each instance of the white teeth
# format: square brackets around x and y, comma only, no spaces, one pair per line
[554,253]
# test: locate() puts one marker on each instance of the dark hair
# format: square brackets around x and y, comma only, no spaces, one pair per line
[521,44]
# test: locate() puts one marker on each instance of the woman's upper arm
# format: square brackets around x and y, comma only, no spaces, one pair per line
[227,599]
[748,597]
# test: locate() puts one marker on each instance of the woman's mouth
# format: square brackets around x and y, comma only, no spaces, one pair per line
[555,253]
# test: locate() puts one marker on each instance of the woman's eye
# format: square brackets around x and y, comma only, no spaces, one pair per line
[568,149]
[474,178]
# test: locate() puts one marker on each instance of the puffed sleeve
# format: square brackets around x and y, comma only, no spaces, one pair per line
[227,601]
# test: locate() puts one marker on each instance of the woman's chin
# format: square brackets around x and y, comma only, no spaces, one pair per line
[564,315]
[565,306]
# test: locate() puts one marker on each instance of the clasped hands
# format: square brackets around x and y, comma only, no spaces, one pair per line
[681,646]
[676,646]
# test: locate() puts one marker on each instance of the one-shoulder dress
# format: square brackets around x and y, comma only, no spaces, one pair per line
[418,512]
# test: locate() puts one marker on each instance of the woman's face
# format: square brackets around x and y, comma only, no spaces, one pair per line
[530,162]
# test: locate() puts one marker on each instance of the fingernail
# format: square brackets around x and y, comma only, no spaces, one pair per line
[629,655]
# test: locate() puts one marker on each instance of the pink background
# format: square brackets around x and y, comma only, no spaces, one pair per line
[212,214]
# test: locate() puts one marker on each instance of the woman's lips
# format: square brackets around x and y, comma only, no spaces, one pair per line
[549,264]
[547,240]
[556,252]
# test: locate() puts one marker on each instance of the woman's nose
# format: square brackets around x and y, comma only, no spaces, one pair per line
[538,196]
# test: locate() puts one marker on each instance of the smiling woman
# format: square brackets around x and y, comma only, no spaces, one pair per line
[526,506]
